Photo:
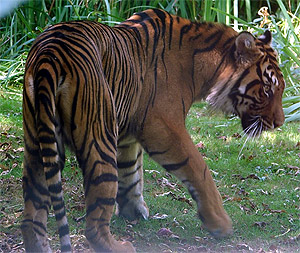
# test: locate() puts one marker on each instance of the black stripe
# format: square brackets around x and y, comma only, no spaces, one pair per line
[40,225]
[53,171]
[56,199]
[42,189]
[44,74]
[107,158]
[128,189]
[124,165]
[58,206]
[60,215]
[55,188]
[211,46]
[38,232]
[228,42]
[48,152]
[193,193]
[185,29]
[192,38]
[44,127]
[45,101]
[47,139]
[106,177]
[251,84]
[210,37]
[170,30]
[175,166]
[153,94]
[24,224]
[63,230]
[98,203]
[155,38]
[162,17]
[29,195]
[103,225]
[144,16]
[183,108]
[152,153]
[66,248]
[133,172]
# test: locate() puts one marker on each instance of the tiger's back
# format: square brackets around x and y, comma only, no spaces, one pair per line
[110,93]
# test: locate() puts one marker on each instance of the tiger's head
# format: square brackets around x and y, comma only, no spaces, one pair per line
[254,91]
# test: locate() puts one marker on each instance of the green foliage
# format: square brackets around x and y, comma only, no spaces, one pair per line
[19,29]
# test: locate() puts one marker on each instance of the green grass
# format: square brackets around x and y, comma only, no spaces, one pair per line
[259,186]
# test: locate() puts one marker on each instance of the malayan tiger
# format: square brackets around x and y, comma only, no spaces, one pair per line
[110,93]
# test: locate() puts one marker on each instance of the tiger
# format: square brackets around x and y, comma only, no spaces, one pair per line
[112,93]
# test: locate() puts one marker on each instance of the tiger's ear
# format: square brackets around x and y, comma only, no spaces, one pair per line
[266,38]
[246,52]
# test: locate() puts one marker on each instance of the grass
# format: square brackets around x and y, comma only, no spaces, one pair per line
[259,185]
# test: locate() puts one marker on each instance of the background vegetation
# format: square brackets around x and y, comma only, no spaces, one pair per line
[259,182]
[20,28]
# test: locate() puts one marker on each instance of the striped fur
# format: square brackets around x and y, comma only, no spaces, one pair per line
[110,93]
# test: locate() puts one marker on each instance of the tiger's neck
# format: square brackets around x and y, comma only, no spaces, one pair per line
[183,56]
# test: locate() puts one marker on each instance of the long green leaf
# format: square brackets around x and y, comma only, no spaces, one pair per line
[239,20]
[287,17]
[294,117]
[292,108]
[248,10]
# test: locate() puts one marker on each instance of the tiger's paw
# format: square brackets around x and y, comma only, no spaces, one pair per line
[133,209]
[34,242]
[103,241]
[125,247]
[119,246]
[221,228]
[113,246]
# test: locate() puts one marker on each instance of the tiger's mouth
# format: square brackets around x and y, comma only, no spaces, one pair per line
[255,125]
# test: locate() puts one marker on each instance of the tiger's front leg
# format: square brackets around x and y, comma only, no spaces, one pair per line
[130,199]
[170,145]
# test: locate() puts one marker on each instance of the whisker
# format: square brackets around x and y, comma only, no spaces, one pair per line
[255,119]
[245,131]
[253,125]
[240,153]
[250,131]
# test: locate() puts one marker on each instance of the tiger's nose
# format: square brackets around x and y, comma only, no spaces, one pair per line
[278,121]
[278,117]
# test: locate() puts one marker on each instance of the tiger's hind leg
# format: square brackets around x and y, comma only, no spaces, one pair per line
[97,157]
[39,195]
[130,199]
[100,183]
[37,200]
